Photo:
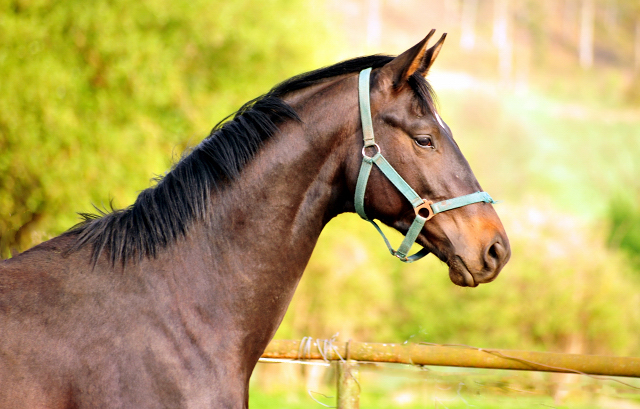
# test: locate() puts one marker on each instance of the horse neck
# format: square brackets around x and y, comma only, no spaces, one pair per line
[263,227]
[294,186]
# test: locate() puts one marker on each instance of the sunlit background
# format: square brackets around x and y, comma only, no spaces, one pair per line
[543,97]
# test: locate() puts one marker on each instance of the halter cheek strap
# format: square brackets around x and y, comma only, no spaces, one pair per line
[419,204]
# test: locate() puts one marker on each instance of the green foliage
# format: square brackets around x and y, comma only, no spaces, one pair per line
[96,96]
[624,216]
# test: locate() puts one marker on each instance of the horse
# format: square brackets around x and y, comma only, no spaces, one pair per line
[170,303]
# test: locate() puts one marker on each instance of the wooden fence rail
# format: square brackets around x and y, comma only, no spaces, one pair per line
[346,353]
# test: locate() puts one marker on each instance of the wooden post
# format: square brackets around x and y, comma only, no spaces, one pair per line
[348,385]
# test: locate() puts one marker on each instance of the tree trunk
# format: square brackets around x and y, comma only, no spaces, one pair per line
[502,40]
[611,17]
[468,24]
[636,66]
[374,24]
[569,12]
[587,15]
[451,13]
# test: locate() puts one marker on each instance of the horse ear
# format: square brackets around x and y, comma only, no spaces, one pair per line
[431,55]
[416,59]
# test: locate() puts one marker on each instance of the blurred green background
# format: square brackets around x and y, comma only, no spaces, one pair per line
[96,98]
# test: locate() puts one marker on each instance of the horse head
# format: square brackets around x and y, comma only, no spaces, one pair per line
[455,220]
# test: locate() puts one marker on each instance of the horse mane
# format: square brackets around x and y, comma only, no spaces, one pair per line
[163,213]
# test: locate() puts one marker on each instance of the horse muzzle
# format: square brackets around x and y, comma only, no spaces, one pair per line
[466,269]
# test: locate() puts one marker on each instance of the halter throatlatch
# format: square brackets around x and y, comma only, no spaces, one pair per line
[419,204]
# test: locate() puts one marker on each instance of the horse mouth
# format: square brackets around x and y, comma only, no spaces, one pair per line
[459,273]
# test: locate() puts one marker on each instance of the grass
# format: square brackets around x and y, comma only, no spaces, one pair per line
[401,386]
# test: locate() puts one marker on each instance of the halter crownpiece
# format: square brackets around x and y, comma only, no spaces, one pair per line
[416,201]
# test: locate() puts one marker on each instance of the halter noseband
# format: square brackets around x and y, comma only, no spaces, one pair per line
[416,201]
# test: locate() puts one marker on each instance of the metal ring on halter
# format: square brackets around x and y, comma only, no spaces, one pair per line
[425,205]
[374,145]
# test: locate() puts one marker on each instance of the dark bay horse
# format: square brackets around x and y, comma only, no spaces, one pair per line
[170,302]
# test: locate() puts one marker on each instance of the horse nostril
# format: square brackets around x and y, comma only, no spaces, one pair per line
[495,255]
[493,252]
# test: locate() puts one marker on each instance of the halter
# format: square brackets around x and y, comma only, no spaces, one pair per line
[416,201]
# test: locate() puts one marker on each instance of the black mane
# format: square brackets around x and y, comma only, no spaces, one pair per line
[163,213]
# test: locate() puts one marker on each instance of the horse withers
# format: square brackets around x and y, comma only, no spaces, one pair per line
[170,302]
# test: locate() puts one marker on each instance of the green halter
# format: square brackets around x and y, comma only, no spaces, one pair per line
[417,202]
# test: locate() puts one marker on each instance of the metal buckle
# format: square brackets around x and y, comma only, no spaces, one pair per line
[371,146]
[395,254]
[426,204]
[401,258]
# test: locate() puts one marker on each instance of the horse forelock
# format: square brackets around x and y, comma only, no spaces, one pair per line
[424,93]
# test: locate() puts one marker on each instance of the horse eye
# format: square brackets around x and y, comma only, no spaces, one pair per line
[424,141]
